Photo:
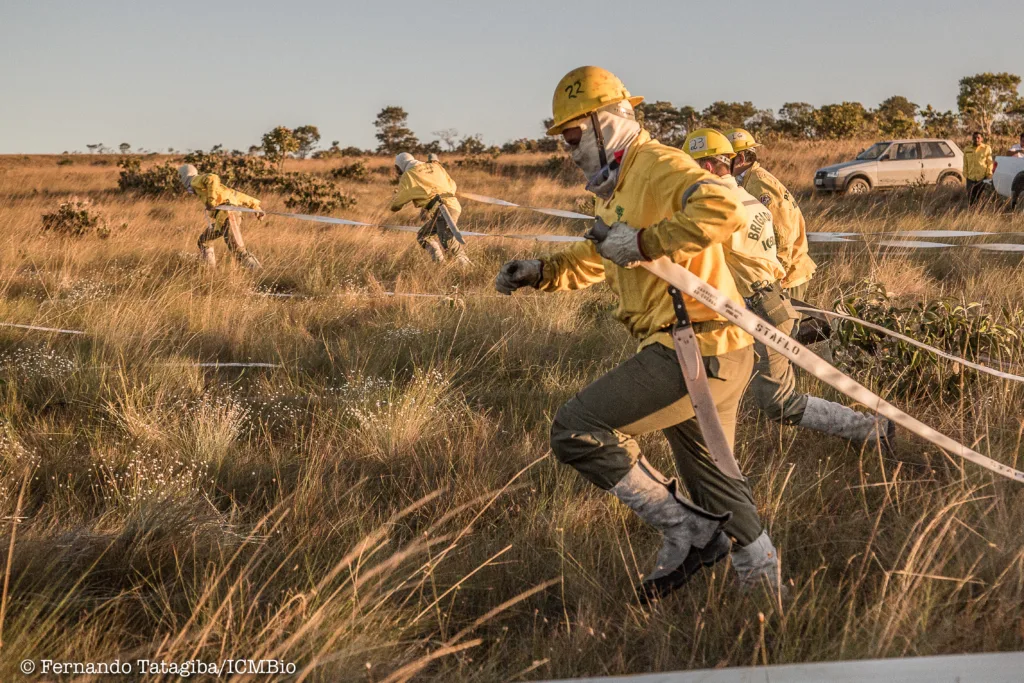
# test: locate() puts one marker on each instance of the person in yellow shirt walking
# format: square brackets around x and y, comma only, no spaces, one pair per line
[657,202]
[790,227]
[226,224]
[978,166]
[429,188]
[752,258]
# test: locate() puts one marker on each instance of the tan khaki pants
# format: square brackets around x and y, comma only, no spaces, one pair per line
[429,238]
[594,431]
[229,227]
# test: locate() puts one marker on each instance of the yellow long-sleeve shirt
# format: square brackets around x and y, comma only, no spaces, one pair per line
[687,214]
[790,227]
[751,253]
[208,187]
[421,183]
[978,162]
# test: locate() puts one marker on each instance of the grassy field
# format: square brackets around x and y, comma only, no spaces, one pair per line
[384,505]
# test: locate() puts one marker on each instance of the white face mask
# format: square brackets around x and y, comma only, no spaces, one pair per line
[618,129]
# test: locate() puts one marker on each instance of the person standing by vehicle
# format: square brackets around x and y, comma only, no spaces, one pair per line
[657,202]
[1017,151]
[978,166]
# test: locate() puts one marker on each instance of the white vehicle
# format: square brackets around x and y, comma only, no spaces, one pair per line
[1008,177]
[895,163]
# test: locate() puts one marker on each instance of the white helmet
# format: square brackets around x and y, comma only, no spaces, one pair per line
[405,161]
[187,173]
[433,157]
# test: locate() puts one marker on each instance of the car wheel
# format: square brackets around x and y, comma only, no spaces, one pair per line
[1018,184]
[950,181]
[858,186]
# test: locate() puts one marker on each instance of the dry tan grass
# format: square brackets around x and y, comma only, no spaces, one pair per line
[382,506]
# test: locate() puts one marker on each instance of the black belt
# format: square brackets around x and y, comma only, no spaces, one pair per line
[435,199]
[710,326]
[704,326]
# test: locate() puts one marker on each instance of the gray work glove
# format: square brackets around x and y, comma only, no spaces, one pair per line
[618,243]
[516,274]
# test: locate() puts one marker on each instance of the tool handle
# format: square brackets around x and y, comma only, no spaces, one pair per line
[599,232]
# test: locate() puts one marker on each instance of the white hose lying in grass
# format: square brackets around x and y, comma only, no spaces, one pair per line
[689,283]
[41,329]
[686,281]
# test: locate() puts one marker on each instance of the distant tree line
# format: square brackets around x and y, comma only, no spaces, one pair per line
[986,102]
[989,102]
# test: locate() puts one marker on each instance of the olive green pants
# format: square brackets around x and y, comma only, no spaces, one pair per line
[435,242]
[774,382]
[594,431]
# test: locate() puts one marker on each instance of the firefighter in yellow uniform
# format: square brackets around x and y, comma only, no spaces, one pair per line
[790,228]
[429,187]
[752,258]
[226,224]
[978,166]
[658,203]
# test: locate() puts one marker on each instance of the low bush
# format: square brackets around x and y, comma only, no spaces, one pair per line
[312,194]
[76,217]
[958,328]
[240,172]
[355,171]
[158,180]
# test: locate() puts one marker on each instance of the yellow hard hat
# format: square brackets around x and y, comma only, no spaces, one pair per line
[707,142]
[583,91]
[741,139]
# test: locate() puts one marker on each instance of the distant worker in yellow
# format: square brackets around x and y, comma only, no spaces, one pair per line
[752,258]
[226,224]
[978,166]
[790,227]
[652,201]
[429,187]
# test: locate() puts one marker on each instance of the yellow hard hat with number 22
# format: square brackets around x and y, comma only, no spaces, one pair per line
[583,91]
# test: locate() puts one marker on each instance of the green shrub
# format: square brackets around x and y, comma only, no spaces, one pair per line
[961,329]
[76,217]
[304,191]
[158,180]
[355,171]
[312,194]
[240,172]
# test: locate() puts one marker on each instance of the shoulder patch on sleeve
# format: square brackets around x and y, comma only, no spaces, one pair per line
[765,199]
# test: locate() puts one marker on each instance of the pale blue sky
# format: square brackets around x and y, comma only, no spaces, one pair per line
[193,74]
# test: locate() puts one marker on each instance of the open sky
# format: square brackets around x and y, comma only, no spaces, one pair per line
[194,74]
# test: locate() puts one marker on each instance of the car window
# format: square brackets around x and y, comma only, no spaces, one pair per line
[907,151]
[935,150]
[873,152]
